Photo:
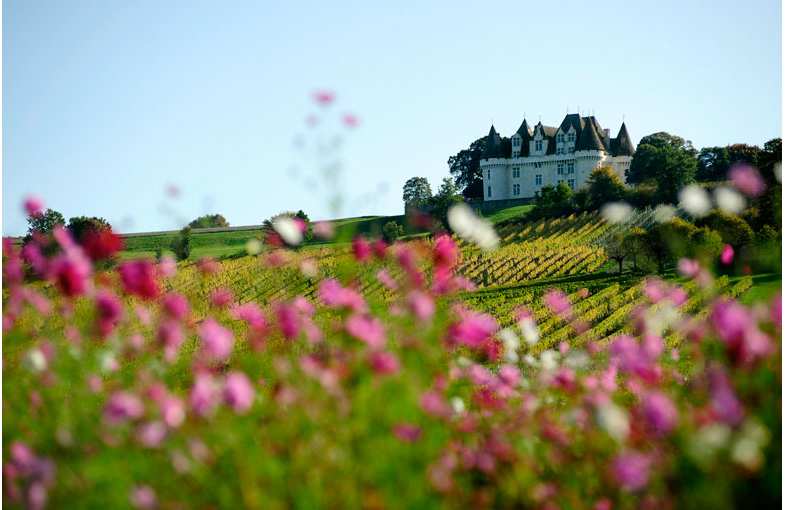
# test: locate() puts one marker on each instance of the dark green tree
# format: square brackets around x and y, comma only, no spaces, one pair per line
[604,186]
[553,201]
[447,196]
[465,169]
[391,231]
[181,245]
[44,223]
[81,225]
[416,193]
[732,229]
[209,221]
[667,160]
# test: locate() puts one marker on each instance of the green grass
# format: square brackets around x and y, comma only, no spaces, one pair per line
[764,287]
[509,213]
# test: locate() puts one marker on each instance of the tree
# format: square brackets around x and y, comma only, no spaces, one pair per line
[81,225]
[665,159]
[391,231]
[416,193]
[465,169]
[705,245]
[181,245]
[44,223]
[733,230]
[635,244]
[209,221]
[604,186]
[553,201]
[615,248]
[446,197]
[667,242]
[714,162]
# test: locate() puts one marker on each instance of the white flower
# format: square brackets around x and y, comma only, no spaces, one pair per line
[469,227]
[616,212]
[511,344]
[549,360]
[529,331]
[695,200]
[287,228]
[729,200]
[663,213]
[530,360]
[613,420]
[253,247]
[576,359]
[109,362]
[35,361]
[457,405]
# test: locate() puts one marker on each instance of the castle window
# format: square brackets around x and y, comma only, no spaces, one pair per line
[489,192]
[516,189]
[538,145]
[571,182]
[571,167]
[516,141]
[516,172]
[560,150]
[560,138]
[538,180]
[570,137]
[560,167]
[489,173]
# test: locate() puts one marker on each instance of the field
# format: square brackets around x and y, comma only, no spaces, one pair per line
[428,374]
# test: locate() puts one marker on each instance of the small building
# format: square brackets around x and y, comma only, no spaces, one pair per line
[519,166]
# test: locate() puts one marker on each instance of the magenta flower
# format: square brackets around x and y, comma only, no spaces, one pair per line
[558,303]
[383,363]
[689,267]
[473,328]
[71,272]
[123,406]
[205,394]
[445,252]
[34,206]
[143,498]
[510,375]
[151,434]
[747,179]
[251,314]
[167,267]
[217,341]
[138,278]
[332,294]
[366,328]
[170,336]
[724,401]
[726,257]
[738,329]
[323,97]
[361,249]
[221,298]
[479,375]
[660,412]
[386,279]
[238,392]
[172,411]
[350,120]
[631,470]
[31,253]
[288,320]
[422,305]
[109,309]
[433,403]
[175,305]
[407,432]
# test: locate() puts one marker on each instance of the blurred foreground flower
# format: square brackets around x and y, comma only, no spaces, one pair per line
[469,227]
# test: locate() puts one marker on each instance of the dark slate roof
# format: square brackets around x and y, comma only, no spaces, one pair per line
[590,138]
[622,145]
[493,146]
[526,136]
[574,120]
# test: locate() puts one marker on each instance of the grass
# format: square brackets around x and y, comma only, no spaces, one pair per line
[764,287]
[509,213]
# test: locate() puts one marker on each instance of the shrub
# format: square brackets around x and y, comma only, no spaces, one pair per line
[391,231]
[181,245]
[209,221]
[733,230]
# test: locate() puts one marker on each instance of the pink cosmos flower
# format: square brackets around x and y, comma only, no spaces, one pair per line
[407,432]
[172,411]
[288,320]
[479,375]
[350,120]
[655,289]
[208,265]
[383,363]
[238,392]
[631,470]
[558,303]
[433,403]
[251,314]
[221,298]
[323,230]
[472,329]
[421,304]
[726,257]
[217,341]
[151,434]
[102,244]
[386,279]
[109,309]
[366,328]
[175,305]
[689,267]
[205,394]
[123,406]
[138,278]
[445,252]
[361,249]
[167,267]
[334,295]
[747,179]
[510,375]
[170,336]
[34,206]
[143,498]
[660,412]
[724,402]
[323,97]
[31,253]
[738,329]
[71,272]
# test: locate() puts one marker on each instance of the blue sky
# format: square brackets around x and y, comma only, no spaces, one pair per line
[107,103]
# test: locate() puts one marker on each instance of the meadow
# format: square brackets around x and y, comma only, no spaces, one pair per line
[506,365]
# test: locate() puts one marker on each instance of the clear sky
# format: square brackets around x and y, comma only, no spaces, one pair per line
[106,103]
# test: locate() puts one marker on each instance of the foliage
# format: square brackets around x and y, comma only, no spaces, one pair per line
[465,169]
[603,186]
[392,230]
[416,193]
[667,242]
[44,223]
[733,230]
[665,159]
[209,221]
[446,197]
[81,225]
[553,201]
[181,245]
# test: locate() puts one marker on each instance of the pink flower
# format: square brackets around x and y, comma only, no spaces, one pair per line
[34,206]
[102,244]
[167,267]
[660,412]
[175,306]
[677,296]
[445,252]
[172,411]
[473,328]
[726,257]
[238,392]
[724,401]
[151,434]
[288,320]
[350,120]
[109,309]
[334,295]
[205,394]
[208,265]
[170,336]
[689,267]
[221,298]
[747,179]
[218,341]
[138,278]
[123,406]
[386,279]
[558,303]
[383,363]
[143,498]
[433,403]
[368,329]
[251,314]
[361,249]
[655,289]
[31,252]
[323,230]
[407,432]
[738,329]
[631,470]
[421,305]
[323,97]
[510,375]
[71,271]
